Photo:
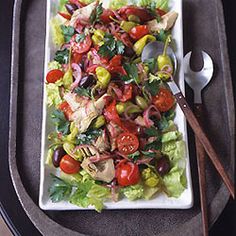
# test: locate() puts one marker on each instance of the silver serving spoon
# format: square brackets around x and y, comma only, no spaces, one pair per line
[148,53]
[198,81]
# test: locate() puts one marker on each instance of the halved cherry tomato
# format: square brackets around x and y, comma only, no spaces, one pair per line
[66,109]
[127,143]
[138,31]
[164,100]
[64,15]
[54,75]
[69,165]
[81,47]
[127,173]
[105,16]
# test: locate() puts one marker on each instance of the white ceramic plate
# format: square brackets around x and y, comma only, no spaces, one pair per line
[185,201]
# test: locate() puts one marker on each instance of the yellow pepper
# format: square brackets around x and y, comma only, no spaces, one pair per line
[150,178]
[140,44]
[98,37]
[103,76]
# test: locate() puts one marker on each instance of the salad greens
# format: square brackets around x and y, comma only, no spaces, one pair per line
[113,114]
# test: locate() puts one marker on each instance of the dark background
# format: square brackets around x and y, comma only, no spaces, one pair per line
[10,207]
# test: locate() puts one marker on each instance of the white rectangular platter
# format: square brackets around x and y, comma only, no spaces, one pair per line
[185,201]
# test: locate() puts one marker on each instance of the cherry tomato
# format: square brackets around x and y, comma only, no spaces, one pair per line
[82,46]
[54,75]
[105,16]
[69,165]
[127,143]
[138,31]
[127,174]
[64,15]
[164,100]
[66,109]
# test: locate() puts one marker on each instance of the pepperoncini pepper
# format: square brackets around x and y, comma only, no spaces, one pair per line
[164,62]
[150,178]
[140,44]
[103,76]
[125,25]
[98,37]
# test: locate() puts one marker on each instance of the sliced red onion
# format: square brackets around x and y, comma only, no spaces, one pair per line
[147,113]
[144,161]
[77,74]
[100,157]
[118,17]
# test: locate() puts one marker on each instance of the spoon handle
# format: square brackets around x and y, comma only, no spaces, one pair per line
[193,122]
[200,152]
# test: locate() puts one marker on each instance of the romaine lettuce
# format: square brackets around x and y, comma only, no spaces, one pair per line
[57,34]
[53,95]
[133,192]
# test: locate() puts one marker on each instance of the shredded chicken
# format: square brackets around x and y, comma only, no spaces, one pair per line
[103,170]
[166,23]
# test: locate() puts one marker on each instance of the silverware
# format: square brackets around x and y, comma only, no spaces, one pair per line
[193,122]
[198,81]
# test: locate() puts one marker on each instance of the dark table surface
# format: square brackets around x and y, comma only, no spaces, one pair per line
[10,207]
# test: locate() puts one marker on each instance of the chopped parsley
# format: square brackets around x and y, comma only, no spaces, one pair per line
[86,92]
[132,73]
[59,190]
[97,12]
[153,87]
[62,56]
[88,136]
[111,46]
[80,38]
[68,32]
[61,123]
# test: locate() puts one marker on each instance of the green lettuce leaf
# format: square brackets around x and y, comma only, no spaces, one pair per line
[89,193]
[175,182]
[170,136]
[149,192]
[133,192]
[53,95]
[57,34]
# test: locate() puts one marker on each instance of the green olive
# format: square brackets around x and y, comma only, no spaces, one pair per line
[141,102]
[99,122]
[134,18]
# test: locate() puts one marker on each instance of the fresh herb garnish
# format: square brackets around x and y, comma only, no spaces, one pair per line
[155,145]
[59,190]
[80,38]
[134,156]
[149,154]
[83,92]
[152,64]
[152,132]
[62,56]
[97,12]
[61,123]
[162,35]
[132,73]
[88,136]
[68,32]
[153,88]
[111,46]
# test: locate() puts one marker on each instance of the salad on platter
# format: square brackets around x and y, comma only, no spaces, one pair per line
[115,135]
